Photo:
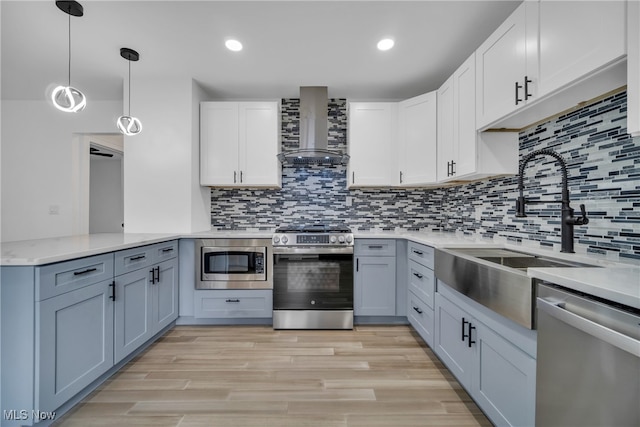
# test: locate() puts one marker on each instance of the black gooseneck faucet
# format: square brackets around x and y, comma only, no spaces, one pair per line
[568,220]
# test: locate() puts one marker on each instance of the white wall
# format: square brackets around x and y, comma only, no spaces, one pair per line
[160,192]
[38,166]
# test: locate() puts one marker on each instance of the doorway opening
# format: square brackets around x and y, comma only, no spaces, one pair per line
[106,186]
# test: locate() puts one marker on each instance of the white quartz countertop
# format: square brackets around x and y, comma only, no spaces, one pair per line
[620,284]
[613,280]
[56,249]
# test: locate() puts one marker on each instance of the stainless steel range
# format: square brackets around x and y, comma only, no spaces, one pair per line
[313,277]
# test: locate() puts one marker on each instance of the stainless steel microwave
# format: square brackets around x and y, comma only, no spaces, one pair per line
[233,264]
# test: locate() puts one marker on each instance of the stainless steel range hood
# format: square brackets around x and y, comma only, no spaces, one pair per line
[313,131]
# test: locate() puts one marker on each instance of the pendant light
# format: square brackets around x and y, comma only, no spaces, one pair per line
[68,98]
[129,125]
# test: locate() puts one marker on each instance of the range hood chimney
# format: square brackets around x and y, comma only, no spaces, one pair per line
[313,131]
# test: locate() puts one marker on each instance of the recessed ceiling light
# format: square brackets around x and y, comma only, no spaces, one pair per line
[385,44]
[233,45]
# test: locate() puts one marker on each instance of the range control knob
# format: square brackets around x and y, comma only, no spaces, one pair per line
[284,240]
[332,239]
[341,239]
[276,239]
[349,238]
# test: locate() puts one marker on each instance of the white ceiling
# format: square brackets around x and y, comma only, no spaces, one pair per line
[287,44]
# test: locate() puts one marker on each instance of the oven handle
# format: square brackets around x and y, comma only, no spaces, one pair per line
[314,251]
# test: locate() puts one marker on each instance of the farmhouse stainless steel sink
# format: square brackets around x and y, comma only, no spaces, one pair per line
[496,278]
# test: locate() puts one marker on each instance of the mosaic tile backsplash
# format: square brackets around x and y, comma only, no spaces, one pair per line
[603,167]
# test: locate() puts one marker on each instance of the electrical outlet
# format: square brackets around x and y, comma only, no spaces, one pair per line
[54,210]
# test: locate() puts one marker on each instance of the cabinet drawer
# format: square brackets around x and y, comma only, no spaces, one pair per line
[56,279]
[164,251]
[421,318]
[375,247]
[421,254]
[134,259]
[233,304]
[422,282]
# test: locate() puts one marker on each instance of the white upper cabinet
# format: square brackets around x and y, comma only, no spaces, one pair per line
[575,39]
[372,143]
[239,142]
[464,153]
[446,151]
[417,140]
[633,69]
[549,56]
[501,65]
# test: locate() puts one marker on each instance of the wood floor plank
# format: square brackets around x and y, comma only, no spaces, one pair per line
[254,376]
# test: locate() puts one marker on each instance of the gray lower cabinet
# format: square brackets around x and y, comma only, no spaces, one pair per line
[164,307]
[146,298]
[64,325]
[132,312]
[76,342]
[421,290]
[233,303]
[498,374]
[374,292]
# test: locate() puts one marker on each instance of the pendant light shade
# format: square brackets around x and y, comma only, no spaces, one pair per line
[128,124]
[68,98]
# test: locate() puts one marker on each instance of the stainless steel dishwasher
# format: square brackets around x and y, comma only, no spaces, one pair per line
[588,364]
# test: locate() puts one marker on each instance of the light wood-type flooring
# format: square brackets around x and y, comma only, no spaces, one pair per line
[254,376]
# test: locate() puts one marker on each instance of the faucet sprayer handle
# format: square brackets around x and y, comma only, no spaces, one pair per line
[520,204]
[583,220]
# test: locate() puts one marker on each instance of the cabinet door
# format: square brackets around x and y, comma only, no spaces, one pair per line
[504,377]
[446,150]
[164,308]
[450,344]
[75,343]
[568,52]
[219,143]
[259,130]
[375,286]
[132,321]
[372,130]
[418,139]
[464,119]
[501,61]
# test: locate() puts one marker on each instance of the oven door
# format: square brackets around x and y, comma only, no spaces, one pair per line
[233,264]
[313,279]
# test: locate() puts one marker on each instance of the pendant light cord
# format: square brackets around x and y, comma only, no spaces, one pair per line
[69,45]
[129,87]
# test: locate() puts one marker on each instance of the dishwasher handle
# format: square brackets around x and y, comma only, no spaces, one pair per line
[615,338]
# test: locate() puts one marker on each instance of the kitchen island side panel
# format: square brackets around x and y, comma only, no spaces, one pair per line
[17,289]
